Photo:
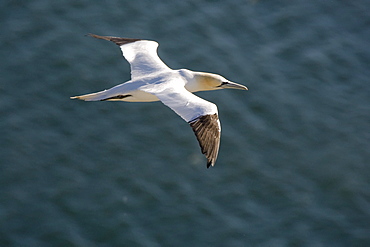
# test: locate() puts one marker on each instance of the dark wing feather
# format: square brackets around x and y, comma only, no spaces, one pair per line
[117,40]
[208,132]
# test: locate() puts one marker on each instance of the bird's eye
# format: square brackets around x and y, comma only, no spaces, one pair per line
[223,83]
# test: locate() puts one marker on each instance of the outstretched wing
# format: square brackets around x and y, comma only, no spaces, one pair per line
[141,54]
[202,116]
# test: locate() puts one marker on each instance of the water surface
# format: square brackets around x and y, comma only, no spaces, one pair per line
[293,167]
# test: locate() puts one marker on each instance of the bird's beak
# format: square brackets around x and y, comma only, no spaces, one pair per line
[233,85]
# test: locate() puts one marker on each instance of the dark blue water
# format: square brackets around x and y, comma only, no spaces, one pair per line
[294,162]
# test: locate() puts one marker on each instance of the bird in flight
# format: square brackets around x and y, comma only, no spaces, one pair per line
[152,80]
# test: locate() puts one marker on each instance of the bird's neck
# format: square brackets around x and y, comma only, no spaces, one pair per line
[194,81]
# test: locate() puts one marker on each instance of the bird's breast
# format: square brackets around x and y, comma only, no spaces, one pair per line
[140,96]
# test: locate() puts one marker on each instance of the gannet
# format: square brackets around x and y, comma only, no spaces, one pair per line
[152,80]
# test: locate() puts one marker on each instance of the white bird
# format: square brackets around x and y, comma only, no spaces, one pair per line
[153,80]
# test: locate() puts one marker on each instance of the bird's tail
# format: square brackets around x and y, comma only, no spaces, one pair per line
[102,95]
[106,95]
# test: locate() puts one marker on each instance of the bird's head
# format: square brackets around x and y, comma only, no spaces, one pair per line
[208,81]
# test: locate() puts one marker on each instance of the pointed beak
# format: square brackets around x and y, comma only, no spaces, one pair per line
[233,85]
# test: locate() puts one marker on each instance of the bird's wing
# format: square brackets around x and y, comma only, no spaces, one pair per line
[202,116]
[141,54]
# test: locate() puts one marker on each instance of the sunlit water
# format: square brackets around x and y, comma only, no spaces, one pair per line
[293,167]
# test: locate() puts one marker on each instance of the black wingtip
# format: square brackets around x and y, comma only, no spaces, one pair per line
[207,130]
[117,40]
[96,36]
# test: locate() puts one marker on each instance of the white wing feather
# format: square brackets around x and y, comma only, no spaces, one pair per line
[143,58]
[187,105]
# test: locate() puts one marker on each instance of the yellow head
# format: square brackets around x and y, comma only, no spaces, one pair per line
[208,81]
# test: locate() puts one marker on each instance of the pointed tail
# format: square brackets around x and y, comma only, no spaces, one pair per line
[102,95]
[106,95]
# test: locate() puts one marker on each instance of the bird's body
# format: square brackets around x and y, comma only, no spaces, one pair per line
[152,80]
